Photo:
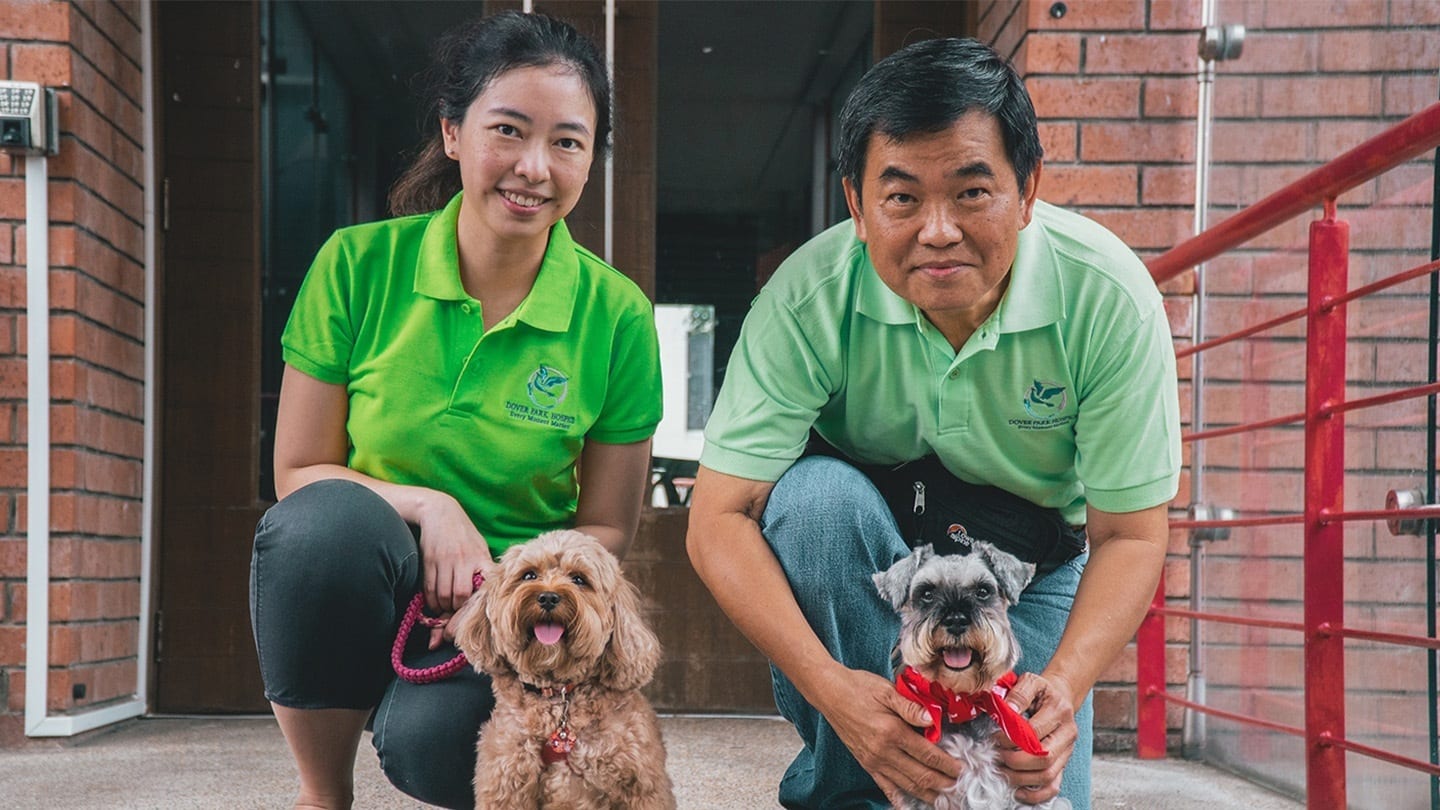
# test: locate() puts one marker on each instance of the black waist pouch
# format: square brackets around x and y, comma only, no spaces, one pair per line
[932,506]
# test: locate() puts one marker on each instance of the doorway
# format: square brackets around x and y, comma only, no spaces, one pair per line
[748,96]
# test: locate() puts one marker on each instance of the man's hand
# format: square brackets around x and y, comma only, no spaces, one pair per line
[873,721]
[1052,715]
[878,726]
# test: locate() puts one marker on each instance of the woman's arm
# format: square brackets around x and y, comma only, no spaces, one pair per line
[613,482]
[310,440]
[311,444]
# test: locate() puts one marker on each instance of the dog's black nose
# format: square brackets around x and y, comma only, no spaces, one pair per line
[956,622]
[548,600]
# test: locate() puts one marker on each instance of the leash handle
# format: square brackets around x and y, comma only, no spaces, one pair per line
[413,614]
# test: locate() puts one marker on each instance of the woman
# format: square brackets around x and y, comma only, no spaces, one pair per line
[457,381]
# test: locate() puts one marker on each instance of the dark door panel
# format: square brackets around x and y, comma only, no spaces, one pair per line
[209,356]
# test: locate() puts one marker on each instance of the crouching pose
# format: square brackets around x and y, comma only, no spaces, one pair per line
[458,380]
[972,362]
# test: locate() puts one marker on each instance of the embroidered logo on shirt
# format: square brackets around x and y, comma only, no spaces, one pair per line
[546,389]
[1045,402]
[1045,399]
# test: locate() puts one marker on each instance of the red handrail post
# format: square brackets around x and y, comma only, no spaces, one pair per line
[1325,491]
[1150,680]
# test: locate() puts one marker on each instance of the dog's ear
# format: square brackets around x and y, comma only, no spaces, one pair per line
[1012,573]
[472,627]
[894,582]
[630,658]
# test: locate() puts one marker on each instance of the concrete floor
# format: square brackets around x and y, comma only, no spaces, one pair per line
[717,764]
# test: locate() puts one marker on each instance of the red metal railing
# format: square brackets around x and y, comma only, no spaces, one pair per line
[1324,516]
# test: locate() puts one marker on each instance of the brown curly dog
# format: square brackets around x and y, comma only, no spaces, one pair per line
[558,629]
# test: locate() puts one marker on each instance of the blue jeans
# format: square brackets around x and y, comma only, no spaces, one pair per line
[831,531]
[333,570]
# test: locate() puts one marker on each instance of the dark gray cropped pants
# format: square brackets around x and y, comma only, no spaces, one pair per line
[333,570]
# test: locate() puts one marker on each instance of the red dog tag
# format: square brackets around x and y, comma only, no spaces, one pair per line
[558,747]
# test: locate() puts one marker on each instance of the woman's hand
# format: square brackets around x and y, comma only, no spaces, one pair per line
[451,551]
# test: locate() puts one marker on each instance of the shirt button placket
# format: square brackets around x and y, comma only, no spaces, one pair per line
[952,407]
[472,309]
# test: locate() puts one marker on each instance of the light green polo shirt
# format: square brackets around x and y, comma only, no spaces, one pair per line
[1065,396]
[497,419]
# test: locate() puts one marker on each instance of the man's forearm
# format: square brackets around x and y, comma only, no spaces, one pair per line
[737,565]
[1114,593]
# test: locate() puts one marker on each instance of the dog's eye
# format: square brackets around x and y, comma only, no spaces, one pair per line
[926,595]
[579,580]
[529,575]
[983,592]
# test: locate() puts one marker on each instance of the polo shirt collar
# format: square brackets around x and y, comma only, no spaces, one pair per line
[877,301]
[551,301]
[437,266]
[1033,299]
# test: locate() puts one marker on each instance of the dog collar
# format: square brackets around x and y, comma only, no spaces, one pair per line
[561,691]
[943,704]
[557,748]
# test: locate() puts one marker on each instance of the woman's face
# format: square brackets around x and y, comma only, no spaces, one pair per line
[525,147]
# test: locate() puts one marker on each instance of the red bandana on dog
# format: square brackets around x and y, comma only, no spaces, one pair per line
[942,703]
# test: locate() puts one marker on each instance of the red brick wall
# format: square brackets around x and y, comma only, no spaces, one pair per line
[1317,79]
[90,51]
[1115,90]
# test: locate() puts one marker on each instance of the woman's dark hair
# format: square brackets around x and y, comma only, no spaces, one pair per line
[926,87]
[465,62]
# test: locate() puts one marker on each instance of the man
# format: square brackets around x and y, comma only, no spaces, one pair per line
[955,315]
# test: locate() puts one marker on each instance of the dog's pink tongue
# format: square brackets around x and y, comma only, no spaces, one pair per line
[548,633]
[958,657]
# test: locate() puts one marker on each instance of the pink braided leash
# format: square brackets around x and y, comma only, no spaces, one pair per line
[416,613]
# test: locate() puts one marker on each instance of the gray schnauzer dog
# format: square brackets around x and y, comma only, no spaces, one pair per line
[958,655]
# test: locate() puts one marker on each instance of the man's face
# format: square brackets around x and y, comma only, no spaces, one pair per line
[941,215]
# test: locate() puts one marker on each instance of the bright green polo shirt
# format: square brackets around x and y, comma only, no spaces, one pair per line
[1065,396]
[497,419]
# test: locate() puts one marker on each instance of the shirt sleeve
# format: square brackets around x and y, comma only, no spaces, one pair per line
[635,401]
[320,335]
[1128,429]
[779,376]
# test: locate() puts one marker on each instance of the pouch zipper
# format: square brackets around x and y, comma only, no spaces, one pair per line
[916,512]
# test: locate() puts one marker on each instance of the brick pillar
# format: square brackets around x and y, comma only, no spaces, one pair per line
[91,53]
